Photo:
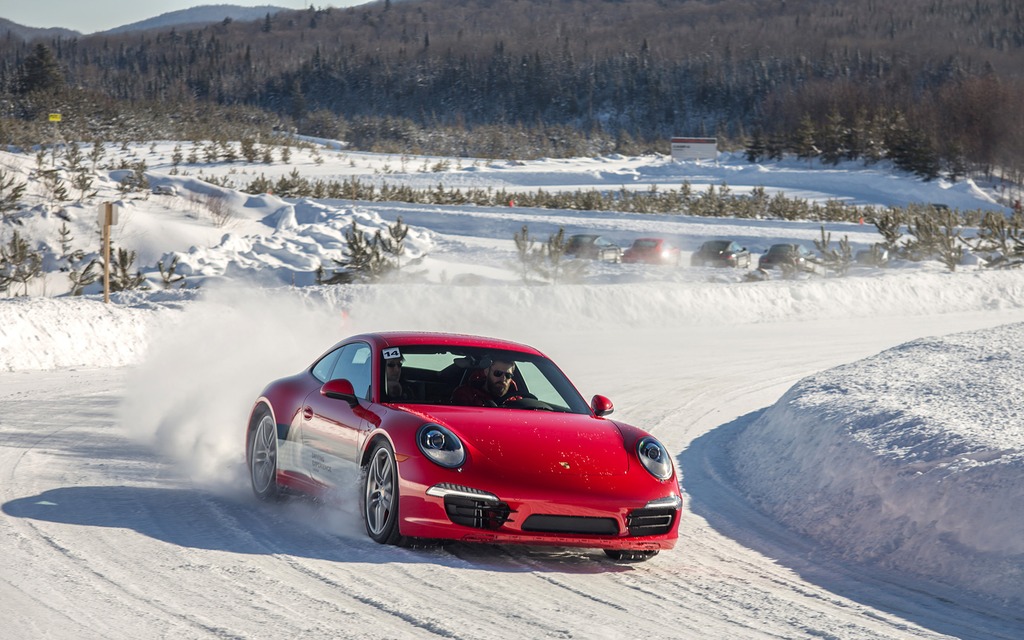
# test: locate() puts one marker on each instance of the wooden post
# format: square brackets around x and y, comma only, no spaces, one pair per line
[107,217]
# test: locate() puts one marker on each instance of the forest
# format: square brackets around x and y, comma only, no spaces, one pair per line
[934,85]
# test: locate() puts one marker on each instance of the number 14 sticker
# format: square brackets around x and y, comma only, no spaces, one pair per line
[392,353]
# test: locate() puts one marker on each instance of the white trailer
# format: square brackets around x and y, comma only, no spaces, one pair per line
[694,149]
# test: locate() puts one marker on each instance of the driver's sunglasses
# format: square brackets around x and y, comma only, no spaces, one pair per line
[392,365]
[501,374]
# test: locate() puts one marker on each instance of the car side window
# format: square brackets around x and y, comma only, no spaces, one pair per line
[353,364]
[322,370]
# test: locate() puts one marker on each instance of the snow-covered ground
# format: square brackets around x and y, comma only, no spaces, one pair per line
[851,448]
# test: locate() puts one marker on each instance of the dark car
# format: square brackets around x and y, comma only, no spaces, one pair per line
[652,251]
[789,257]
[593,247]
[720,253]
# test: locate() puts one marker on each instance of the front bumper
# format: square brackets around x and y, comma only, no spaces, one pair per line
[459,512]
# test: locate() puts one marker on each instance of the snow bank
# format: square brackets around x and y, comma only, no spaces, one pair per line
[47,333]
[912,460]
[55,333]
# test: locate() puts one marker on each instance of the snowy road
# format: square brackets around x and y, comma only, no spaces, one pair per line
[105,538]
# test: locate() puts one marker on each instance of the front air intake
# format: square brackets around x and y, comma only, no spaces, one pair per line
[650,522]
[572,525]
[479,514]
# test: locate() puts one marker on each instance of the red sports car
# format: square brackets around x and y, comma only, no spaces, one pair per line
[464,438]
[652,251]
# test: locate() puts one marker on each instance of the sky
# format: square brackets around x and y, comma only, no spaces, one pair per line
[101,15]
[850,447]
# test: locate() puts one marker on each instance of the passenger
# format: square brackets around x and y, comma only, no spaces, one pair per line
[489,387]
[394,391]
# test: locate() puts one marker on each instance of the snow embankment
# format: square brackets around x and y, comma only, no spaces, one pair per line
[59,333]
[48,333]
[912,460]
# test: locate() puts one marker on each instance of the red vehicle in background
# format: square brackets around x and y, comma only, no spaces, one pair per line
[539,465]
[652,251]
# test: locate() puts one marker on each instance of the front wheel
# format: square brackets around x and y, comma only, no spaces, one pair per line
[379,495]
[630,555]
[263,456]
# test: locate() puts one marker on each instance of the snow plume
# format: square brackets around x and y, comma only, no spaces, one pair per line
[190,398]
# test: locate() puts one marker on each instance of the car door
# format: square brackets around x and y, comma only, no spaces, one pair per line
[332,429]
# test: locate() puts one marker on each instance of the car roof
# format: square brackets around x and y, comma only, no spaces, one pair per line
[400,338]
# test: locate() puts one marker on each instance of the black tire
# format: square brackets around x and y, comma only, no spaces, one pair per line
[262,455]
[378,495]
[630,555]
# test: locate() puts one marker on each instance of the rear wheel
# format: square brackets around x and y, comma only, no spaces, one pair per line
[630,555]
[263,456]
[379,495]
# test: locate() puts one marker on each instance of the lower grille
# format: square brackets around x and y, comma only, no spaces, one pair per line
[476,513]
[650,522]
[572,524]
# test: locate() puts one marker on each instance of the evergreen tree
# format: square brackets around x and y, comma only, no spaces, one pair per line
[121,276]
[757,147]
[19,263]
[40,72]
[525,251]
[832,138]
[11,193]
[804,140]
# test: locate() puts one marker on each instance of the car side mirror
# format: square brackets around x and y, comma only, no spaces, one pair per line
[601,406]
[340,390]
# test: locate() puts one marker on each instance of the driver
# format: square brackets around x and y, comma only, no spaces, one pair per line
[489,387]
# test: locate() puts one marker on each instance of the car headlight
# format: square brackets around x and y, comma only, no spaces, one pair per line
[440,445]
[654,456]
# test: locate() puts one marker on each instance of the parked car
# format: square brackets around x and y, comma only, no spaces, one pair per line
[720,253]
[652,251]
[540,467]
[593,247]
[790,257]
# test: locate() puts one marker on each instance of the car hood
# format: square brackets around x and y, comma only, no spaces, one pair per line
[538,441]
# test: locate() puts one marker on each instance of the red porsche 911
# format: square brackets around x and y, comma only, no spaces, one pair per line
[463,438]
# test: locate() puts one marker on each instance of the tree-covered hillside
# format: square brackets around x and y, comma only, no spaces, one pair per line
[935,84]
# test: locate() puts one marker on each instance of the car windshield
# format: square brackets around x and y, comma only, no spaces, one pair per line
[431,373]
[783,249]
[645,244]
[717,245]
[576,242]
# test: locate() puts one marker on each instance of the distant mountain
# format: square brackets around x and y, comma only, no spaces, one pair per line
[205,14]
[21,32]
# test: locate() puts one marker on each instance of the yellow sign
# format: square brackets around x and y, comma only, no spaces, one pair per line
[54,117]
